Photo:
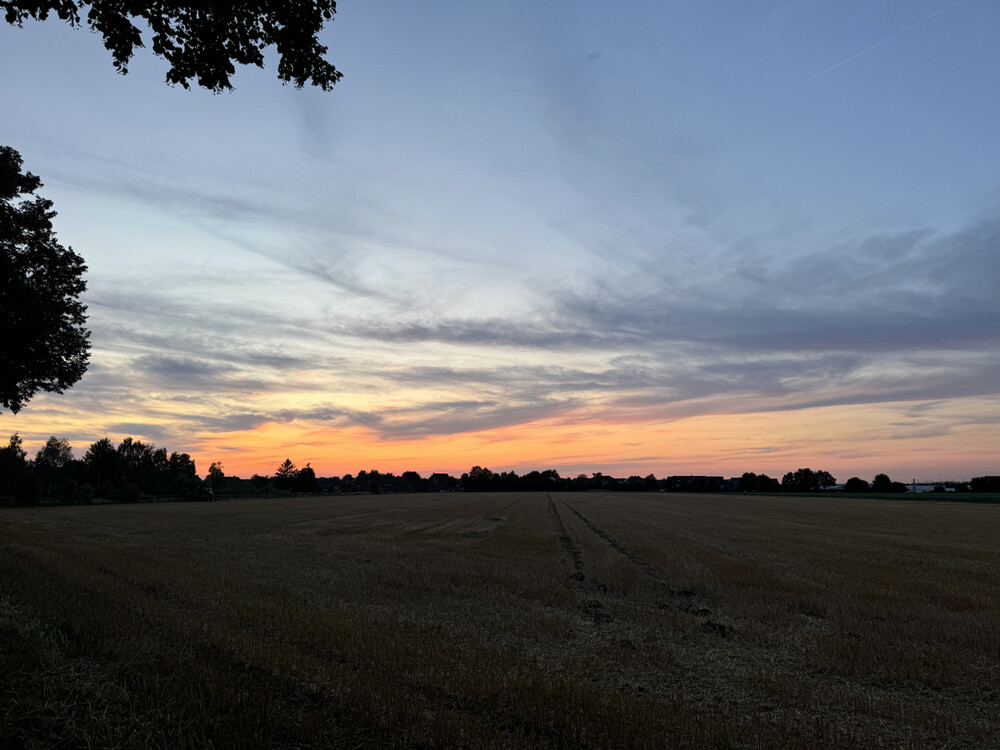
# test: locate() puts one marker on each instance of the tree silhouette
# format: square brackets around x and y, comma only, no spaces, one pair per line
[203,41]
[103,462]
[13,465]
[881,483]
[305,480]
[50,460]
[216,477]
[285,475]
[806,480]
[45,346]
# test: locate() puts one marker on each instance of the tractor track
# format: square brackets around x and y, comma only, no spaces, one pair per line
[571,548]
[593,609]
[686,600]
[629,555]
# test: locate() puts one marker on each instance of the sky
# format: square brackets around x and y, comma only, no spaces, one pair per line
[656,237]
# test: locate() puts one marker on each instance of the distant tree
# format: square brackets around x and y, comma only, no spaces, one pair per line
[372,479]
[633,483]
[50,460]
[802,480]
[13,466]
[479,479]
[56,453]
[532,481]
[285,475]
[181,464]
[260,483]
[76,487]
[825,479]
[414,481]
[856,484]
[767,484]
[881,483]
[305,480]
[748,482]
[807,480]
[216,478]
[140,466]
[103,463]
[135,454]
[177,475]
[551,479]
[985,484]
[45,345]
[204,41]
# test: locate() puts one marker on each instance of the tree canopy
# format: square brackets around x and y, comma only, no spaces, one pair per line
[45,345]
[203,41]
[807,480]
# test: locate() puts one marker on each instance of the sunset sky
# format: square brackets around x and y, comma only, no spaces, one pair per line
[654,237]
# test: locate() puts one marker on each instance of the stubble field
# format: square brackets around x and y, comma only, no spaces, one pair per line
[503,620]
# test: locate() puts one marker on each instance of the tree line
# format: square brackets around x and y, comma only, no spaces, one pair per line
[134,470]
[122,473]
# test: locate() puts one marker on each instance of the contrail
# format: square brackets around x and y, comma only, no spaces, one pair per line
[889,38]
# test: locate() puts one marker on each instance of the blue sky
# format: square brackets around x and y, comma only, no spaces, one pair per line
[674,221]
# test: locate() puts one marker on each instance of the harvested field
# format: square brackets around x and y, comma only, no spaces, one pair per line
[503,620]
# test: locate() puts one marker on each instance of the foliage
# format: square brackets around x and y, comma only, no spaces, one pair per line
[856,484]
[285,475]
[216,477]
[45,345]
[807,480]
[305,480]
[751,482]
[55,454]
[882,483]
[203,41]
[50,461]
[181,464]
[124,473]
[985,484]
[260,483]
[102,461]
[13,463]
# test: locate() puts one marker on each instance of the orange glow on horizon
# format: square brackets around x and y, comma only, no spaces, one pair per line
[856,440]
[923,440]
